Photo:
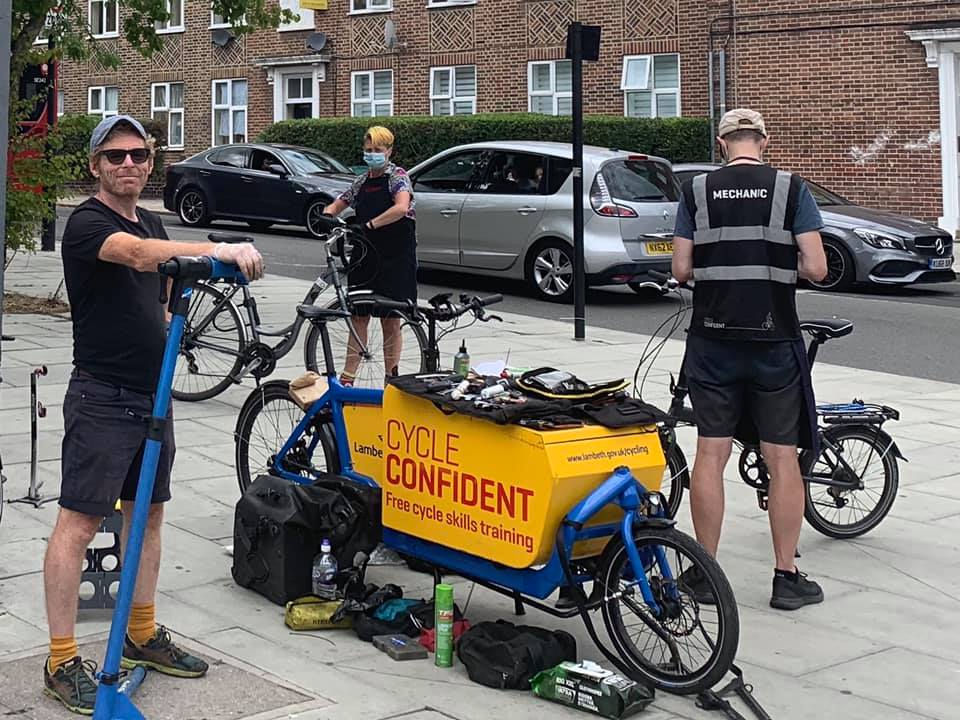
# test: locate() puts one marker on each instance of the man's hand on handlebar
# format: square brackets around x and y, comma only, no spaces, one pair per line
[243,255]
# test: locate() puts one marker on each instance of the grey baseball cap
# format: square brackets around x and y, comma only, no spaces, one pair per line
[104,127]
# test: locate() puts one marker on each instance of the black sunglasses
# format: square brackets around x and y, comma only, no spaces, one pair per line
[116,157]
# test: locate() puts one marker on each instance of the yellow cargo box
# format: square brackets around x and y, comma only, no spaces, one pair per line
[495,491]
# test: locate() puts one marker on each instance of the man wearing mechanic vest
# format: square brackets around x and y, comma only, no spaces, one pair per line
[745,233]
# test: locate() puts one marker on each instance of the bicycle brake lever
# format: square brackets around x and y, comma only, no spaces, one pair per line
[164,297]
[488,318]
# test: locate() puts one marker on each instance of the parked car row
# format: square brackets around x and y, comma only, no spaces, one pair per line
[504,209]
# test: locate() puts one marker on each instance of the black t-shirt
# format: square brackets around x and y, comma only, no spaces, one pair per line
[118,320]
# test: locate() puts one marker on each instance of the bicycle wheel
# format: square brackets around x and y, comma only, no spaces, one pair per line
[842,513]
[676,477]
[213,340]
[372,369]
[692,645]
[267,419]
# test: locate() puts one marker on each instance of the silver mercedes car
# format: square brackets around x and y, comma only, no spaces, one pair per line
[869,246]
[506,209]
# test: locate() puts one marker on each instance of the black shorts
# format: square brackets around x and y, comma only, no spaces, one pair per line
[105,432]
[731,380]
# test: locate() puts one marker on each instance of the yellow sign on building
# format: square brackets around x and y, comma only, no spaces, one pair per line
[313,4]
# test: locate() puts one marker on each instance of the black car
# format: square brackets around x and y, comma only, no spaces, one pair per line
[262,184]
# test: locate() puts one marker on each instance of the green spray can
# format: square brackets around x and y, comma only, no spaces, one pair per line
[443,622]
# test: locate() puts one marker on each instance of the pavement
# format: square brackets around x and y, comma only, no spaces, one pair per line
[884,645]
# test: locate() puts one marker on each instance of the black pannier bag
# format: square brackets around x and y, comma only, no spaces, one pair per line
[507,656]
[279,525]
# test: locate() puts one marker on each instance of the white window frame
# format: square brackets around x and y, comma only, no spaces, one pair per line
[102,111]
[552,92]
[47,23]
[218,25]
[104,4]
[307,20]
[448,3]
[280,99]
[169,111]
[386,6]
[647,84]
[60,103]
[452,96]
[171,26]
[231,107]
[373,103]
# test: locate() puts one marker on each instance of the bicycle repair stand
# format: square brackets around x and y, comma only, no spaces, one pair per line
[113,697]
[33,496]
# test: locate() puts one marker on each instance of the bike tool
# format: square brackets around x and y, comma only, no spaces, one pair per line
[113,696]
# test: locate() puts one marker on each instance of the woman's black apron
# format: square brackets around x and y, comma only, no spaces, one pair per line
[388,265]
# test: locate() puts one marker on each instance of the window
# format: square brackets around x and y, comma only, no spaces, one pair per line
[166,105]
[262,160]
[558,172]
[640,181]
[312,162]
[44,35]
[218,21]
[297,96]
[453,90]
[230,157]
[229,111]
[451,174]
[514,173]
[371,93]
[103,101]
[175,23]
[651,86]
[104,18]
[370,6]
[306,16]
[445,3]
[550,87]
[59,103]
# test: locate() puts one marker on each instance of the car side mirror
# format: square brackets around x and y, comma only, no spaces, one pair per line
[277,169]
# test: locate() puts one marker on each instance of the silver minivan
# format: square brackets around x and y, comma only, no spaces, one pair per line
[506,209]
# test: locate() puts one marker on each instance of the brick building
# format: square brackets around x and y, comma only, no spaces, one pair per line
[860,95]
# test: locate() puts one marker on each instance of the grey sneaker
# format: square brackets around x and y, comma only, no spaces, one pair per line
[72,684]
[792,594]
[163,656]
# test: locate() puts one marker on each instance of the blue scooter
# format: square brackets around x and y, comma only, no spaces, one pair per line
[113,696]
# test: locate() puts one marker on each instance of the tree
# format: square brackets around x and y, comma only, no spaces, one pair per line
[65,23]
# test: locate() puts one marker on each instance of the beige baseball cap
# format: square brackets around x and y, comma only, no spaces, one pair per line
[741,119]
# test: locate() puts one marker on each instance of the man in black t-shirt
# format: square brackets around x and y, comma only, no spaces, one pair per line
[111,249]
[745,233]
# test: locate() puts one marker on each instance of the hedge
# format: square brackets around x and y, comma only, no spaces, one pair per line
[76,128]
[418,138]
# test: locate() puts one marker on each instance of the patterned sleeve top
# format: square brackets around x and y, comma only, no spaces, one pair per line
[398,181]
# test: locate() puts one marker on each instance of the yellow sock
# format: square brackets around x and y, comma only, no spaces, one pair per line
[142,625]
[62,651]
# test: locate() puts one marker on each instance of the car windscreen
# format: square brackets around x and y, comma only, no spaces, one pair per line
[824,197]
[635,180]
[312,163]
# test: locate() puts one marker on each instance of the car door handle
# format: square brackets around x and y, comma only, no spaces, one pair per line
[448,212]
[526,210]
[204,172]
[247,179]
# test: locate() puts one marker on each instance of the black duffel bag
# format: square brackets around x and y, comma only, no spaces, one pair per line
[507,656]
[279,525]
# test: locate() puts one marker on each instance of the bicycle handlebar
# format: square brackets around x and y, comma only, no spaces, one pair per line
[202,267]
[228,238]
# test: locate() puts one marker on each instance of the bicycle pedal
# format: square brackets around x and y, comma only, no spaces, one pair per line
[763,500]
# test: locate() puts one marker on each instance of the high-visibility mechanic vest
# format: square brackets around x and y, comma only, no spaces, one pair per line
[744,254]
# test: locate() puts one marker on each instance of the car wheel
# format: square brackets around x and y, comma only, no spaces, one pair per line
[314,212]
[645,292]
[192,207]
[550,271]
[840,270]
[259,225]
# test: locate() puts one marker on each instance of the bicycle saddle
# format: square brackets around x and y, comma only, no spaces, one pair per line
[827,329]
[315,312]
[228,238]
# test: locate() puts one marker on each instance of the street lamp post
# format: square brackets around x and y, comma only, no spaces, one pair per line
[6,18]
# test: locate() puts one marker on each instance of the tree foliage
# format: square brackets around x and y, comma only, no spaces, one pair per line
[36,163]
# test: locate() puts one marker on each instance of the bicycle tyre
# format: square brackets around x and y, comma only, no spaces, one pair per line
[679,473]
[410,330]
[274,392]
[178,390]
[612,563]
[880,443]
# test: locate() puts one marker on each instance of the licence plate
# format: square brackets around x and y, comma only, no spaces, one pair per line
[936,263]
[660,248]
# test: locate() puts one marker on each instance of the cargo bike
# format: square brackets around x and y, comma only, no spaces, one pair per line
[521,510]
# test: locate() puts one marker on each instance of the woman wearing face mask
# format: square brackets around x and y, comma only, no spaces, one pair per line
[382,199]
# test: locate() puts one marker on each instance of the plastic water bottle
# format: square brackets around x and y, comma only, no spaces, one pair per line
[325,573]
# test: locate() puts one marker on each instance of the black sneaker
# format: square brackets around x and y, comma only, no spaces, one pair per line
[162,655]
[72,684]
[693,582]
[794,593]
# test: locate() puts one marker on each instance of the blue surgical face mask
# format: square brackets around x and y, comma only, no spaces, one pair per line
[375,160]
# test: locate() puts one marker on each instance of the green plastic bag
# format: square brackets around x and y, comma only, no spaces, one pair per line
[587,686]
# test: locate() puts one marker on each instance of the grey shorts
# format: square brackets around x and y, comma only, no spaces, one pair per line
[730,381]
[105,432]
